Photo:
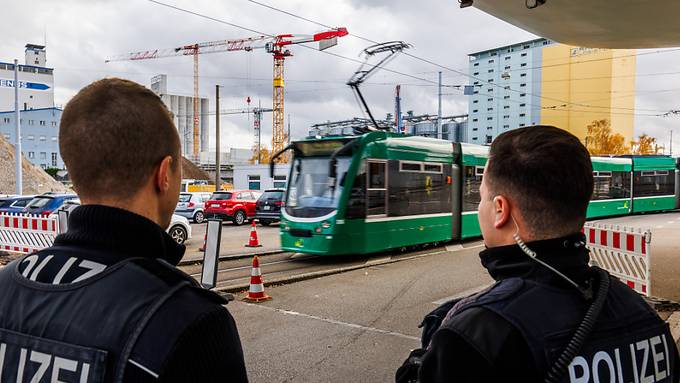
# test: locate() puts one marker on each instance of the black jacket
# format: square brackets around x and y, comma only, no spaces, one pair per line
[478,345]
[207,349]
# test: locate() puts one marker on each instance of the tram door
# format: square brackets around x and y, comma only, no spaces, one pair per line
[456,200]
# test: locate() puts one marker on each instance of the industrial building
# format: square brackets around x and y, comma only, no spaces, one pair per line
[543,82]
[257,177]
[182,109]
[39,118]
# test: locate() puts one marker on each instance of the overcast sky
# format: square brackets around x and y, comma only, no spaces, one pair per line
[81,34]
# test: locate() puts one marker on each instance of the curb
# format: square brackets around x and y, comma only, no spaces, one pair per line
[674,323]
[320,273]
[187,262]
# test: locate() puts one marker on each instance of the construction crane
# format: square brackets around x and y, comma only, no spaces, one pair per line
[276,45]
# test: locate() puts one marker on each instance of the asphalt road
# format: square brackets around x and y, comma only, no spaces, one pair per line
[234,239]
[356,326]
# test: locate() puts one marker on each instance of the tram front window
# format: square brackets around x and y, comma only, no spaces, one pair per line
[311,193]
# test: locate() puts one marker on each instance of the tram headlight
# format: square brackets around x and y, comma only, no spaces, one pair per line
[318,229]
[286,227]
[325,224]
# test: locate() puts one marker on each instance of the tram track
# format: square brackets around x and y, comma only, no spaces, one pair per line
[281,268]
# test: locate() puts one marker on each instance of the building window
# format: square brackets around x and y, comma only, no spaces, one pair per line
[254,182]
[54,139]
[490,71]
[523,64]
[521,125]
[43,155]
[475,74]
[6,136]
[522,114]
[506,126]
[522,105]
[6,120]
[31,155]
[507,67]
[475,83]
[489,127]
[545,42]
[489,109]
[507,57]
[44,166]
[475,64]
[31,122]
[493,53]
[524,54]
[280,182]
[507,87]
[488,139]
[31,137]
[474,138]
[526,47]
[54,123]
[42,122]
[475,101]
[490,61]
[489,118]
[522,94]
[490,80]
[54,159]
[506,116]
[523,75]
[506,97]
[489,99]
[490,90]
[474,120]
[506,107]
[475,110]
[523,84]
[475,92]
[474,129]
[43,138]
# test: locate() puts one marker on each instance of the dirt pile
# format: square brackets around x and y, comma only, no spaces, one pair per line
[35,180]
[191,171]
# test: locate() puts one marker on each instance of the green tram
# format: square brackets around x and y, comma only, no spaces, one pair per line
[380,191]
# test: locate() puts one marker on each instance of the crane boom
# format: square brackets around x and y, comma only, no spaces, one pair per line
[272,44]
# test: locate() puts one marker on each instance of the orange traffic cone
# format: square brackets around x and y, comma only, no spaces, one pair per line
[205,239]
[253,241]
[256,291]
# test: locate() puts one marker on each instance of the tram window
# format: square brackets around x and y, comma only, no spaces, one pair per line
[610,185]
[414,193]
[653,183]
[356,204]
[471,184]
[409,166]
[377,191]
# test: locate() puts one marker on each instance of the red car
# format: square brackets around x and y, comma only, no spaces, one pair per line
[236,205]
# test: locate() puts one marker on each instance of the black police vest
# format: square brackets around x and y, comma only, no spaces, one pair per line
[85,331]
[629,343]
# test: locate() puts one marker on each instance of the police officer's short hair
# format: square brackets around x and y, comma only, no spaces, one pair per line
[113,134]
[547,172]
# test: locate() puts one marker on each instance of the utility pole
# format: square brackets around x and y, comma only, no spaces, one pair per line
[218,176]
[17,146]
[439,111]
[258,125]
[397,109]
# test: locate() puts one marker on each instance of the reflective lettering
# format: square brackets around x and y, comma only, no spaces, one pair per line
[22,365]
[62,364]
[3,348]
[657,357]
[668,359]
[584,376]
[633,359]
[599,357]
[44,360]
[644,346]
[619,372]
[85,373]
[31,260]
[94,269]
[34,274]
[64,269]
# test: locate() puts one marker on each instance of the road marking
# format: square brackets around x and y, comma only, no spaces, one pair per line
[660,227]
[337,322]
[462,294]
[377,260]
[670,222]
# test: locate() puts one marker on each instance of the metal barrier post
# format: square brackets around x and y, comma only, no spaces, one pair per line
[62,220]
[211,253]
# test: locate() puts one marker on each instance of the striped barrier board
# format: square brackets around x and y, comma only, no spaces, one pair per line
[21,233]
[624,252]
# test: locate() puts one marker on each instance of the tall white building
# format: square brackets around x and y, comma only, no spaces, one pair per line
[36,81]
[182,109]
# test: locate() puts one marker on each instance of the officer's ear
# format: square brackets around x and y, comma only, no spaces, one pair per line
[502,211]
[162,181]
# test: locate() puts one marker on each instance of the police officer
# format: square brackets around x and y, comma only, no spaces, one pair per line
[549,316]
[105,303]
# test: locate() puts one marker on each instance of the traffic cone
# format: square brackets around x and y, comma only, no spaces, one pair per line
[256,292]
[253,241]
[205,239]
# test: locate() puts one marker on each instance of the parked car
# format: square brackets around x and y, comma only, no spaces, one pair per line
[191,205]
[268,206]
[14,204]
[45,204]
[179,229]
[236,205]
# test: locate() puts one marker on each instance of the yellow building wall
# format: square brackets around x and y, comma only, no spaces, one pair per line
[580,85]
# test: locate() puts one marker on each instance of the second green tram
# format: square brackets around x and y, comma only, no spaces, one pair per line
[381,191]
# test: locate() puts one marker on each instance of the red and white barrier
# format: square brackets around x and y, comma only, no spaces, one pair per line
[27,233]
[624,252]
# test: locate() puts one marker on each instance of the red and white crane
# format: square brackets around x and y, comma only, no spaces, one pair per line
[276,45]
